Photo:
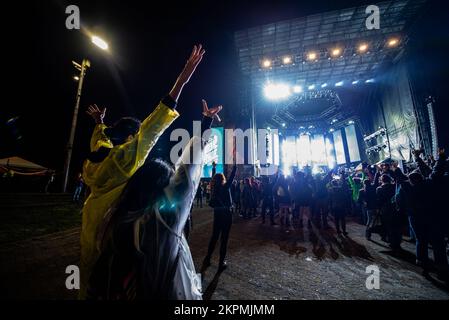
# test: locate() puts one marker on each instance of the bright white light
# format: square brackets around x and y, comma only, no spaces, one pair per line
[318,149]
[330,153]
[100,43]
[303,151]
[334,120]
[288,149]
[331,130]
[336,52]
[311,56]
[393,42]
[76,78]
[266,63]
[283,124]
[355,81]
[277,91]
[351,122]
[324,85]
[339,84]
[369,81]
[287,60]
[287,171]
[363,47]
[311,87]
[297,89]
[311,127]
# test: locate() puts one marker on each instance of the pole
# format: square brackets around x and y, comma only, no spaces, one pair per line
[85,64]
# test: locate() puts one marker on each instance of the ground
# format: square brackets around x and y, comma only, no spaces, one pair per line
[265,262]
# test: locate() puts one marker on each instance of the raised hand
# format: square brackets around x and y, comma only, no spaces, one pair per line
[213,112]
[194,60]
[97,114]
[416,153]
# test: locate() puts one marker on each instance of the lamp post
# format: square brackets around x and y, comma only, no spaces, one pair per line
[82,68]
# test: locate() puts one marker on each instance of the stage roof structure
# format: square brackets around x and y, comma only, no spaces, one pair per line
[322,33]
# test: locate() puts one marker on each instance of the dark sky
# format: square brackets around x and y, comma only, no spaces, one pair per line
[149,44]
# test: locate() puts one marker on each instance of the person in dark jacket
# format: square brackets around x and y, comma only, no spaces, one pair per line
[338,203]
[199,196]
[419,196]
[247,198]
[385,193]
[302,196]
[322,200]
[267,197]
[221,201]
[282,194]
[368,197]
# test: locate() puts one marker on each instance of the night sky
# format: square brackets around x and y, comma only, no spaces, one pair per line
[149,44]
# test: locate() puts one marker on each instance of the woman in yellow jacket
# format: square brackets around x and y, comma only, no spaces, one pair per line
[116,154]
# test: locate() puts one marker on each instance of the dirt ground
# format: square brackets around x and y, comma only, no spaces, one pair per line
[265,262]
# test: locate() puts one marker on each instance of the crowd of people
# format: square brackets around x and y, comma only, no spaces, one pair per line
[390,201]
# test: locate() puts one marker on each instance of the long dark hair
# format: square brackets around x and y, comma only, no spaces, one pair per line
[144,189]
[146,186]
[217,181]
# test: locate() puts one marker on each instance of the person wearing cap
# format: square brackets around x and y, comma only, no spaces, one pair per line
[117,152]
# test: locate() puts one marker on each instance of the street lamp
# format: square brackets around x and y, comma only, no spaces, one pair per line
[82,68]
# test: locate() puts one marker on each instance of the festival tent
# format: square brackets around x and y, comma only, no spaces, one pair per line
[17,165]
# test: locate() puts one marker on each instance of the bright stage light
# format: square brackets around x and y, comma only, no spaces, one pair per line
[339,84]
[311,87]
[283,124]
[369,81]
[334,121]
[351,122]
[100,43]
[277,91]
[297,89]
[355,81]
[393,42]
[331,130]
[324,85]
[311,56]
[303,152]
[330,153]
[266,63]
[311,127]
[288,149]
[316,170]
[363,47]
[287,60]
[336,52]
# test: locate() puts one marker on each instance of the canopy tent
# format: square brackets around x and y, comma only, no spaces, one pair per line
[17,165]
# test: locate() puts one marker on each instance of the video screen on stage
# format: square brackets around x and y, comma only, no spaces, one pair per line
[213,153]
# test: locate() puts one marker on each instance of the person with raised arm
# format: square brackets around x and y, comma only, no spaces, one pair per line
[117,152]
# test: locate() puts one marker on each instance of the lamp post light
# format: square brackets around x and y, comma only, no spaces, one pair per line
[82,68]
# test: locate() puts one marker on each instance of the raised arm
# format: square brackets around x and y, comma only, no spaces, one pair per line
[439,168]
[423,167]
[132,155]
[98,139]
[184,183]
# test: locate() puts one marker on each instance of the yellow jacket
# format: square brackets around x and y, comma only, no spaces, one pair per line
[108,178]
